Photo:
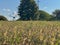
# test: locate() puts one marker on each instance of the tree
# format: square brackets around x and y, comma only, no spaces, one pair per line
[44,15]
[56,14]
[3,18]
[28,10]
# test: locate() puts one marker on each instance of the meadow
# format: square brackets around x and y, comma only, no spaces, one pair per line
[30,33]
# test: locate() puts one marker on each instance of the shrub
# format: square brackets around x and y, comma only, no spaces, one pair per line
[2,18]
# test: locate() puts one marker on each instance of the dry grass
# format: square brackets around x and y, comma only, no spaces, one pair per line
[30,33]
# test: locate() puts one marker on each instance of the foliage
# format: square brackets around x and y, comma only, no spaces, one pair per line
[2,18]
[30,33]
[28,10]
[44,15]
[56,13]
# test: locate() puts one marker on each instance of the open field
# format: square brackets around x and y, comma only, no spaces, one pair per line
[30,33]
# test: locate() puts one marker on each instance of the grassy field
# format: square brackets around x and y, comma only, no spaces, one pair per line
[30,33]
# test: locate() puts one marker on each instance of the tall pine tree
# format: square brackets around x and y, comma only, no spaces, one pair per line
[28,10]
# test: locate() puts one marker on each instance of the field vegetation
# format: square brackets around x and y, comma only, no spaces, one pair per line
[30,33]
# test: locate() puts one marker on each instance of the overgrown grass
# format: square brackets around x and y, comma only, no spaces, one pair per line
[30,33]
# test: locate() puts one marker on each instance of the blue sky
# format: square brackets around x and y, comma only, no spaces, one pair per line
[49,5]
[9,7]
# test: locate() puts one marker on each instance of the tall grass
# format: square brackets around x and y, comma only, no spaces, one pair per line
[30,33]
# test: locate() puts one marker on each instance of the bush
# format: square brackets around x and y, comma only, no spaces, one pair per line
[2,18]
[44,15]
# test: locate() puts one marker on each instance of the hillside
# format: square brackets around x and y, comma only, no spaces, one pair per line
[29,33]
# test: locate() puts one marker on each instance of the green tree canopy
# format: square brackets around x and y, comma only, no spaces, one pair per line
[44,15]
[28,10]
[56,14]
[3,18]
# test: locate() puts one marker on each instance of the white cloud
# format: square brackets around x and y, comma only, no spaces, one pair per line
[15,13]
[45,7]
[6,9]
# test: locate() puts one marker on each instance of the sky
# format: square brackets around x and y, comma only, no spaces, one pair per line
[8,8]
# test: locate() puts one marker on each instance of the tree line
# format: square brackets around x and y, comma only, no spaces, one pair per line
[28,10]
